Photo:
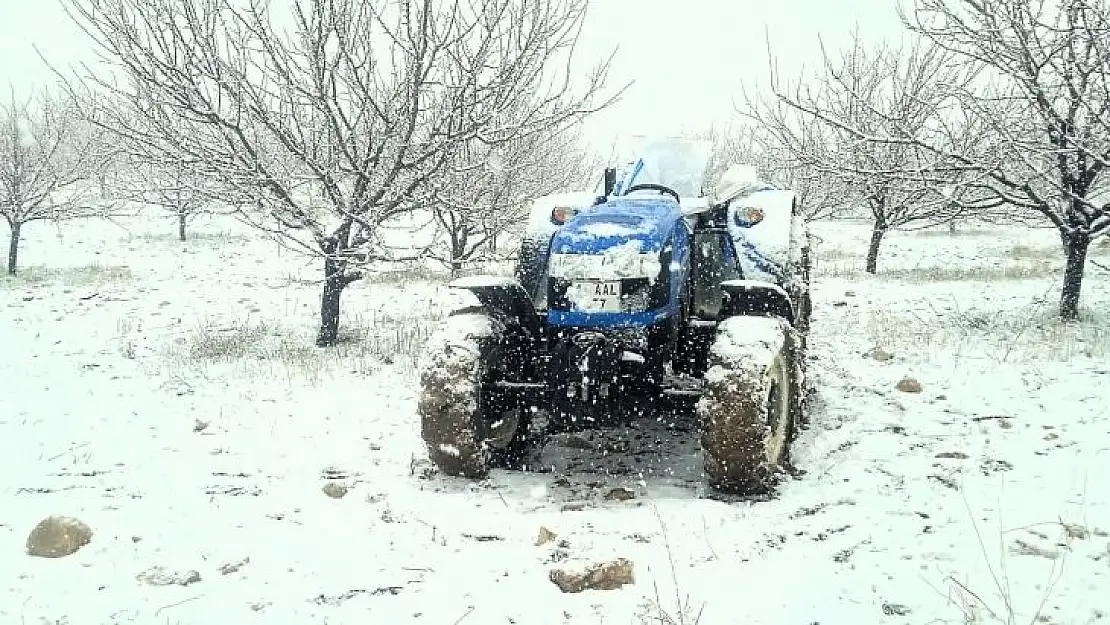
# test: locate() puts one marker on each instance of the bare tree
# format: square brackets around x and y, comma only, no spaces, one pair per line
[328,122]
[487,191]
[1053,92]
[868,92]
[1044,101]
[771,142]
[170,186]
[48,160]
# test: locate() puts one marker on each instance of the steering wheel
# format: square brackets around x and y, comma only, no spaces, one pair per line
[651,186]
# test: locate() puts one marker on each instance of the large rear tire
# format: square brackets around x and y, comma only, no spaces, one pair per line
[466,426]
[750,404]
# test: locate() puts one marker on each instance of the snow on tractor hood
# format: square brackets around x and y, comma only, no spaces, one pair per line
[621,238]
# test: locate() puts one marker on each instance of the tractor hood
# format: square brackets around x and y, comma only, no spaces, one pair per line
[621,238]
[618,221]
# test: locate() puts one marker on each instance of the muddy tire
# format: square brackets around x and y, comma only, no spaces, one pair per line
[468,431]
[750,404]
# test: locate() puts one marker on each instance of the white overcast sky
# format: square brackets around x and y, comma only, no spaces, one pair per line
[688,58]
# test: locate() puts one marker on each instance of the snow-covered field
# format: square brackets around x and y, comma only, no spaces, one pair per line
[169,396]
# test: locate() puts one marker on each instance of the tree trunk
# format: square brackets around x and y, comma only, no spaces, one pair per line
[1076,248]
[458,249]
[334,283]
[13,248]
[877,232]
[336,278]
[181,217]
[952,226]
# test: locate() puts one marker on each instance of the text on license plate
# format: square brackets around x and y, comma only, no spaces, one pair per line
[598,296]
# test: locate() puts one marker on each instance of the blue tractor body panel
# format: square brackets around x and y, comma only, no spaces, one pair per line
[602,320]
[638,242]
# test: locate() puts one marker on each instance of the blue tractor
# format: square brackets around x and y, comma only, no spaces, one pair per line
[651,292]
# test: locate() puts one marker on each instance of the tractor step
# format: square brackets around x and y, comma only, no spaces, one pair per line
[682,387]
[681,392]
[520,386]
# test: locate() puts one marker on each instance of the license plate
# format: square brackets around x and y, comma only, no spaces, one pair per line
[595,296]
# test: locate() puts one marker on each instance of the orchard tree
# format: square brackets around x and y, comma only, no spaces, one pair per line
[488,189]
[1050,108]
[326,122]
[1042,101]
[771,143]
[867,92]
[169,185]
[48,161]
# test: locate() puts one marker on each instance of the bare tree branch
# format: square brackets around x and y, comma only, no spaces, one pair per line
[488,190]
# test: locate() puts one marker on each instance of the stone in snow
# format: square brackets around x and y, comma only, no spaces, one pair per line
[335,490]
[161,576]
[233,567]
[880,354]
[604,576]
[620,493]
[908,385]
[545,536]
[58,536]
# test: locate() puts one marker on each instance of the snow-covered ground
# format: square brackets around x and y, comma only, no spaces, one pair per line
[169,396]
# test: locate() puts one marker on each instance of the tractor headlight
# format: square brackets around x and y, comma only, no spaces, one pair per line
[748,216]
[562,214]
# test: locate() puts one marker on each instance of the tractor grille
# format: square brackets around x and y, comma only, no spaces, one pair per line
[568,295]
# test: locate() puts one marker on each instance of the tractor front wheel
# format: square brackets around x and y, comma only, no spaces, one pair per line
[466,425]
[750,403]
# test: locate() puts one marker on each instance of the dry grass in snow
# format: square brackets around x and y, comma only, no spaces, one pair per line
[84,276]
[259,348]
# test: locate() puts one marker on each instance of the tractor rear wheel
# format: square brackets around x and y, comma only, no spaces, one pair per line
[466,425]
[750,403]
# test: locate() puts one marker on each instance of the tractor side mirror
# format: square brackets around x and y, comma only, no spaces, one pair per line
[610,180]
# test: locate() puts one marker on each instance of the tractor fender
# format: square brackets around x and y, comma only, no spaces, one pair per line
[504,298]
[764,246]
[755,297]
